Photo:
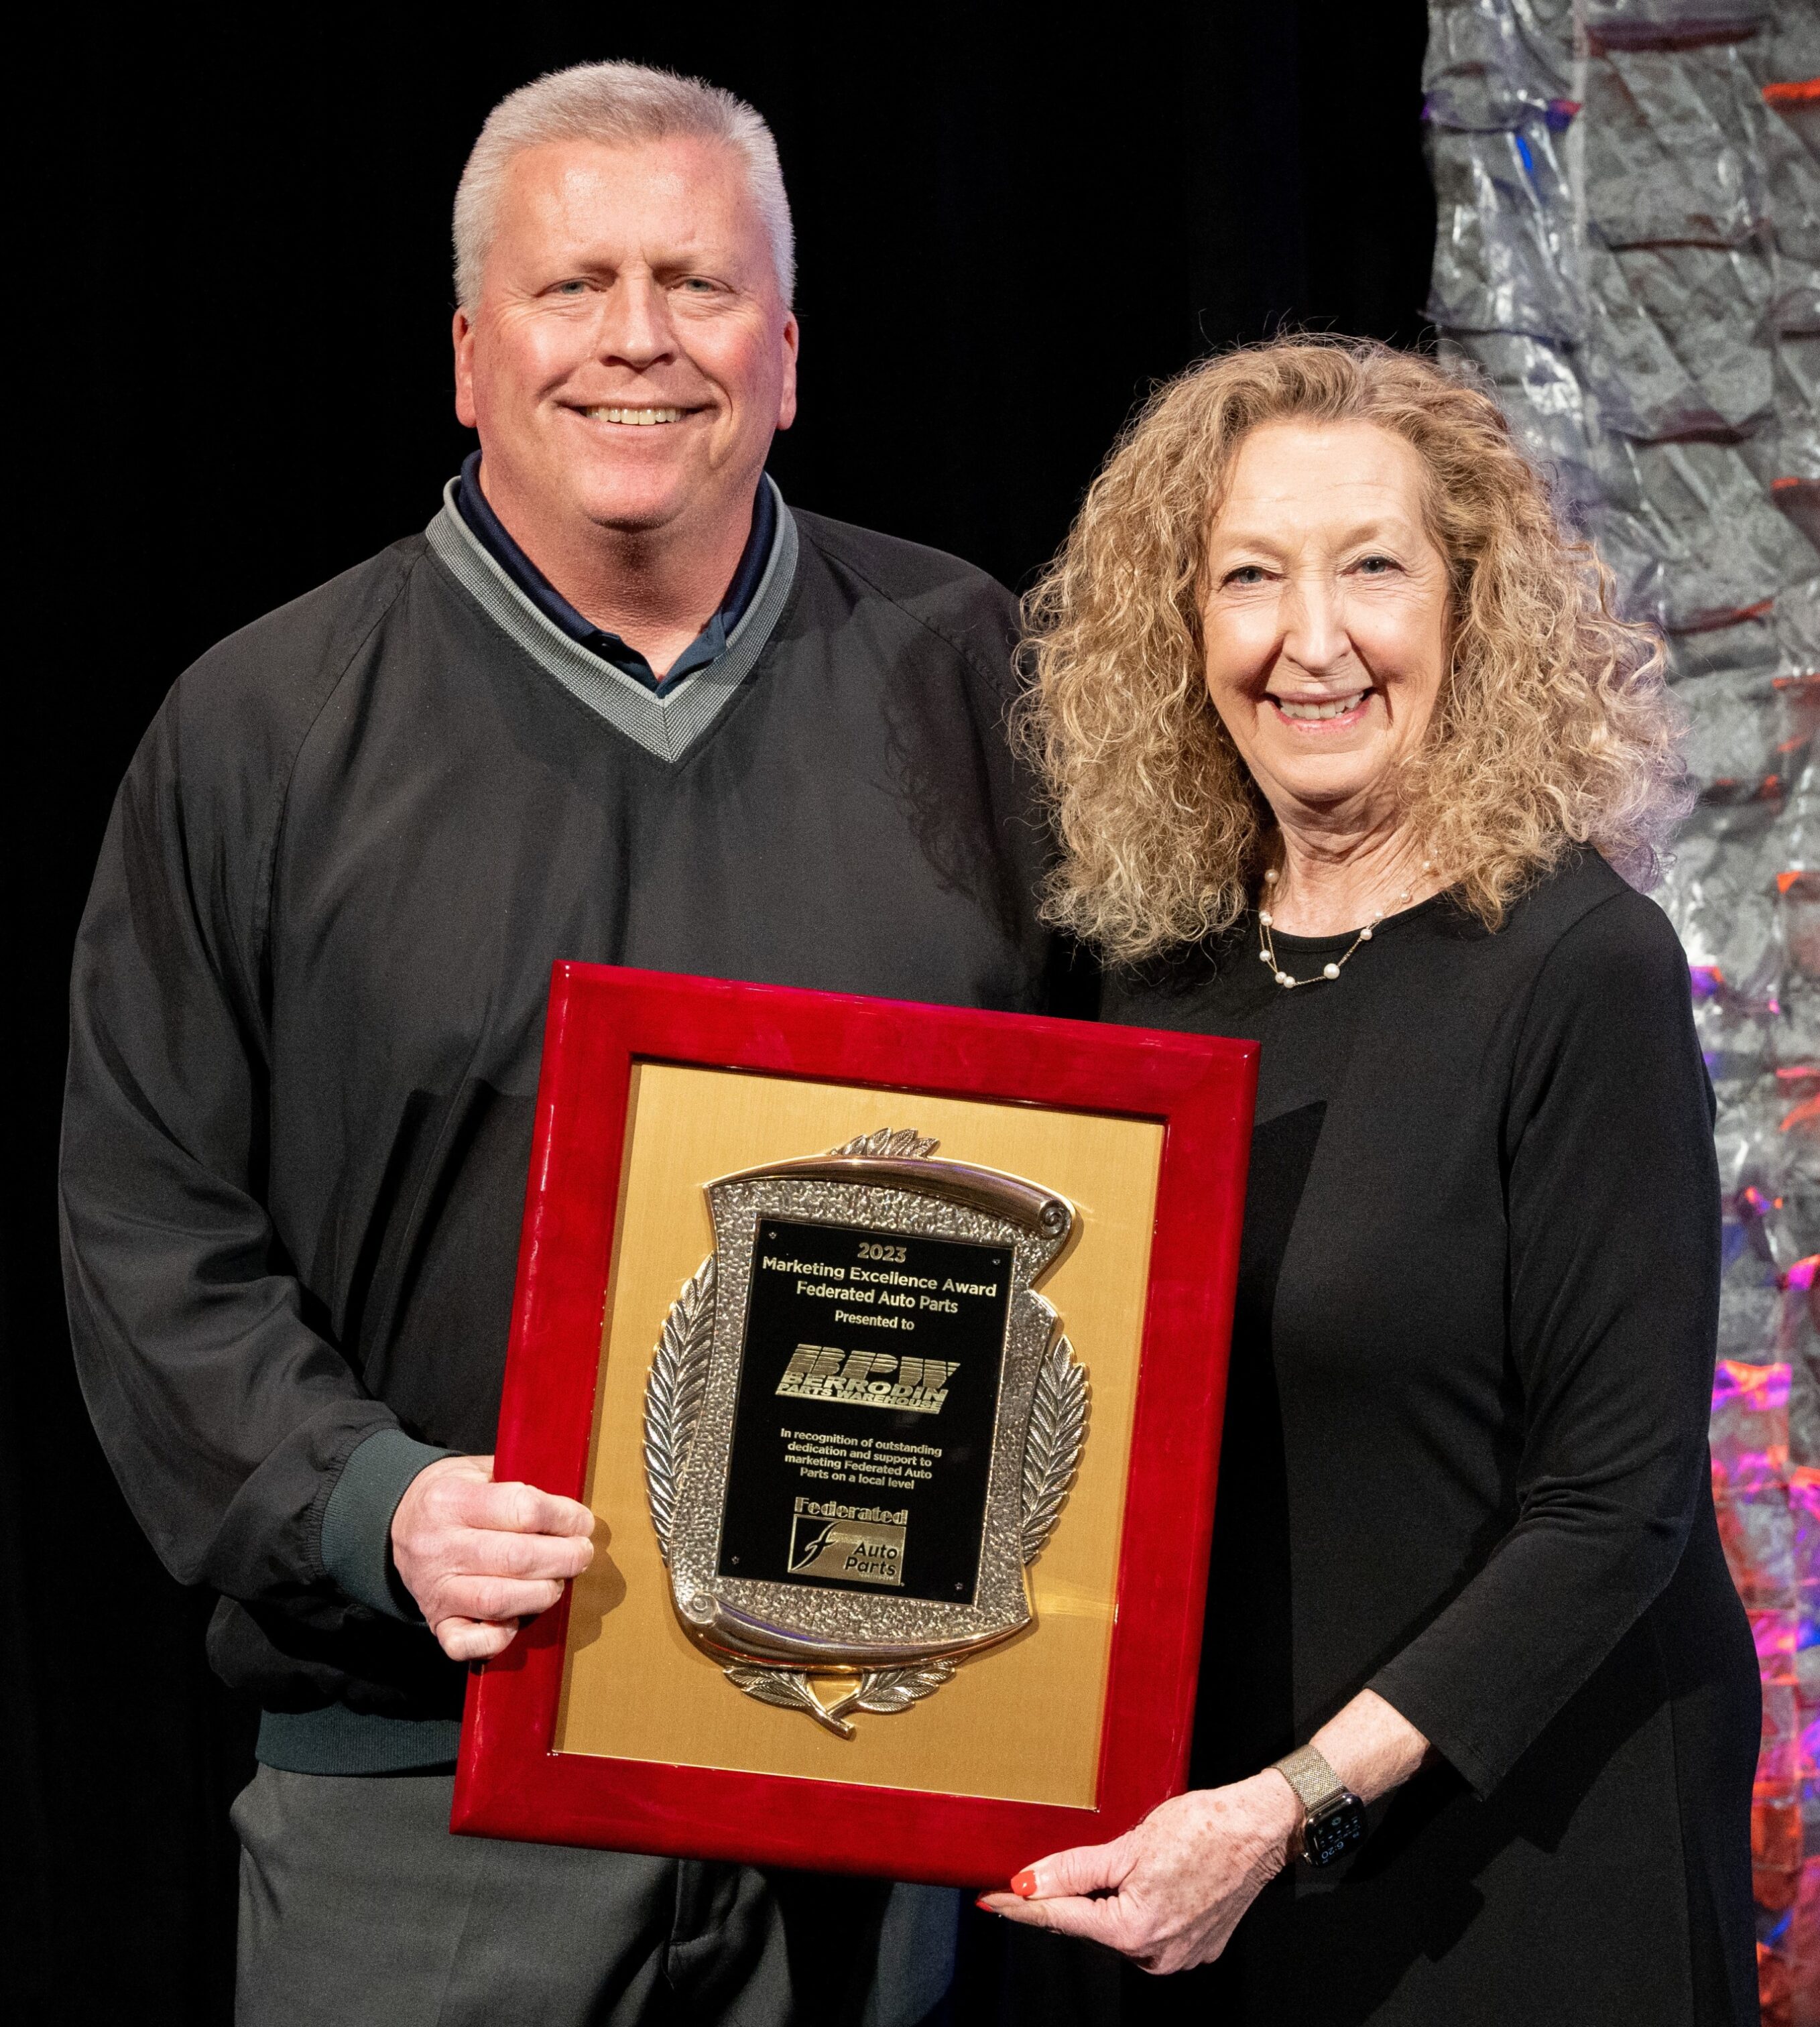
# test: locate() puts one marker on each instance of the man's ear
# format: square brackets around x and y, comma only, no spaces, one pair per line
[462,334]
[787,393]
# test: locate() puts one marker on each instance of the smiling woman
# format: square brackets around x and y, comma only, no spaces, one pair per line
[1322,682]
[1370,512]
[1326,624]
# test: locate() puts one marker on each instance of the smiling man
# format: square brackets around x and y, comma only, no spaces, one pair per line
[618,703]
[625,350]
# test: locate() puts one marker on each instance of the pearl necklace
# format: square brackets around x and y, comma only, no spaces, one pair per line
[1267,944]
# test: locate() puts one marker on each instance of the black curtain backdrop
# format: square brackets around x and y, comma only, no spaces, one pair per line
[234,276]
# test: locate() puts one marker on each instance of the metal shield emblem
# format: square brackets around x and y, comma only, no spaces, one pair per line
[861,1423]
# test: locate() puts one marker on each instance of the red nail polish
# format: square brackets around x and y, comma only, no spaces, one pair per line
[1024,1883]
[979,1902]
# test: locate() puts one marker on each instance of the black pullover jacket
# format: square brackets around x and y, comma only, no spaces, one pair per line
[308,1006]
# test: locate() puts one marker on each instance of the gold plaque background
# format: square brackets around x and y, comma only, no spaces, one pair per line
[1021,1723]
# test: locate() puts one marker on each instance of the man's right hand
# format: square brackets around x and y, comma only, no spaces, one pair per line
[480,1557]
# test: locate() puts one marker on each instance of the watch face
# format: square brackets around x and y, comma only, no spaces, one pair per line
[1335,1830]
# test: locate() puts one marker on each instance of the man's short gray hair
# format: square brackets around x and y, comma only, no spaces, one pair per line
[619,105]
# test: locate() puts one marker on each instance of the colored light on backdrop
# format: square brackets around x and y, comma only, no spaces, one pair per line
[1628,246]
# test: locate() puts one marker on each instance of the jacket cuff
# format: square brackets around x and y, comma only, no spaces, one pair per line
[357,1521]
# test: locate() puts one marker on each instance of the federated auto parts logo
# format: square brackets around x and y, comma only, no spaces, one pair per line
[852,1544]
[868,1379]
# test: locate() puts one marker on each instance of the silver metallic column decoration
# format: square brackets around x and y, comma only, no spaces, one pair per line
[1628,248]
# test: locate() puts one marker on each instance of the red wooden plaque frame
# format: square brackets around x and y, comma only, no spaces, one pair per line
[602,1020]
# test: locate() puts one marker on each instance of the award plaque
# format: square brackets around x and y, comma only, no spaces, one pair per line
[863,1508]
[888,1343]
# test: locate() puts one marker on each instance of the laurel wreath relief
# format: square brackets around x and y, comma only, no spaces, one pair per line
[673,1401]
[673,1395]
[1052,1444]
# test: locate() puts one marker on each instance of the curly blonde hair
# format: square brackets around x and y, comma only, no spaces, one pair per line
[1553,727]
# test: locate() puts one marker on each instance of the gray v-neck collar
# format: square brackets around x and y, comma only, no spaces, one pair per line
[666,726]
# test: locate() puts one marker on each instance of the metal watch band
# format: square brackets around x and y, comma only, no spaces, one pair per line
[1313,1780]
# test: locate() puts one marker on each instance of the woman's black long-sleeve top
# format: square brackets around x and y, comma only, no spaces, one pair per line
[1465,1465]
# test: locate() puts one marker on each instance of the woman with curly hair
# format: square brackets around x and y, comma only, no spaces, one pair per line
[1348,753]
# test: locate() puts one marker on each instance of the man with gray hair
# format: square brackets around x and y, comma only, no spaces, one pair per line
[618,703]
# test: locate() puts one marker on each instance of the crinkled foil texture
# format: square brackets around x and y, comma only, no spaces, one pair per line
[1628,249]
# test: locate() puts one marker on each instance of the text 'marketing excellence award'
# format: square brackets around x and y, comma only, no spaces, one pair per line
[887,1343]
[861,1423]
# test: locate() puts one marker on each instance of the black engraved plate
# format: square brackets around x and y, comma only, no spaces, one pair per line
[868,1395]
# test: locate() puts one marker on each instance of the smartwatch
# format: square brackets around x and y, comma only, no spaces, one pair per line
[1335,1817]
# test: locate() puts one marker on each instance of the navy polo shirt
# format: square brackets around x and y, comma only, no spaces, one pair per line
[708,645]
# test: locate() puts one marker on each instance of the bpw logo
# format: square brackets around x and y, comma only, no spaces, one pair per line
[868,1379]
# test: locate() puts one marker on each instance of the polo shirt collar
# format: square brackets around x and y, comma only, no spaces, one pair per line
[707,647]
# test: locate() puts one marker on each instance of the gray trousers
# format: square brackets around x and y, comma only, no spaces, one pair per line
[358,1909]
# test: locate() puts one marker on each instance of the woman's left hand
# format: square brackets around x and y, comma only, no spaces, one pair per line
[1169,1893]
